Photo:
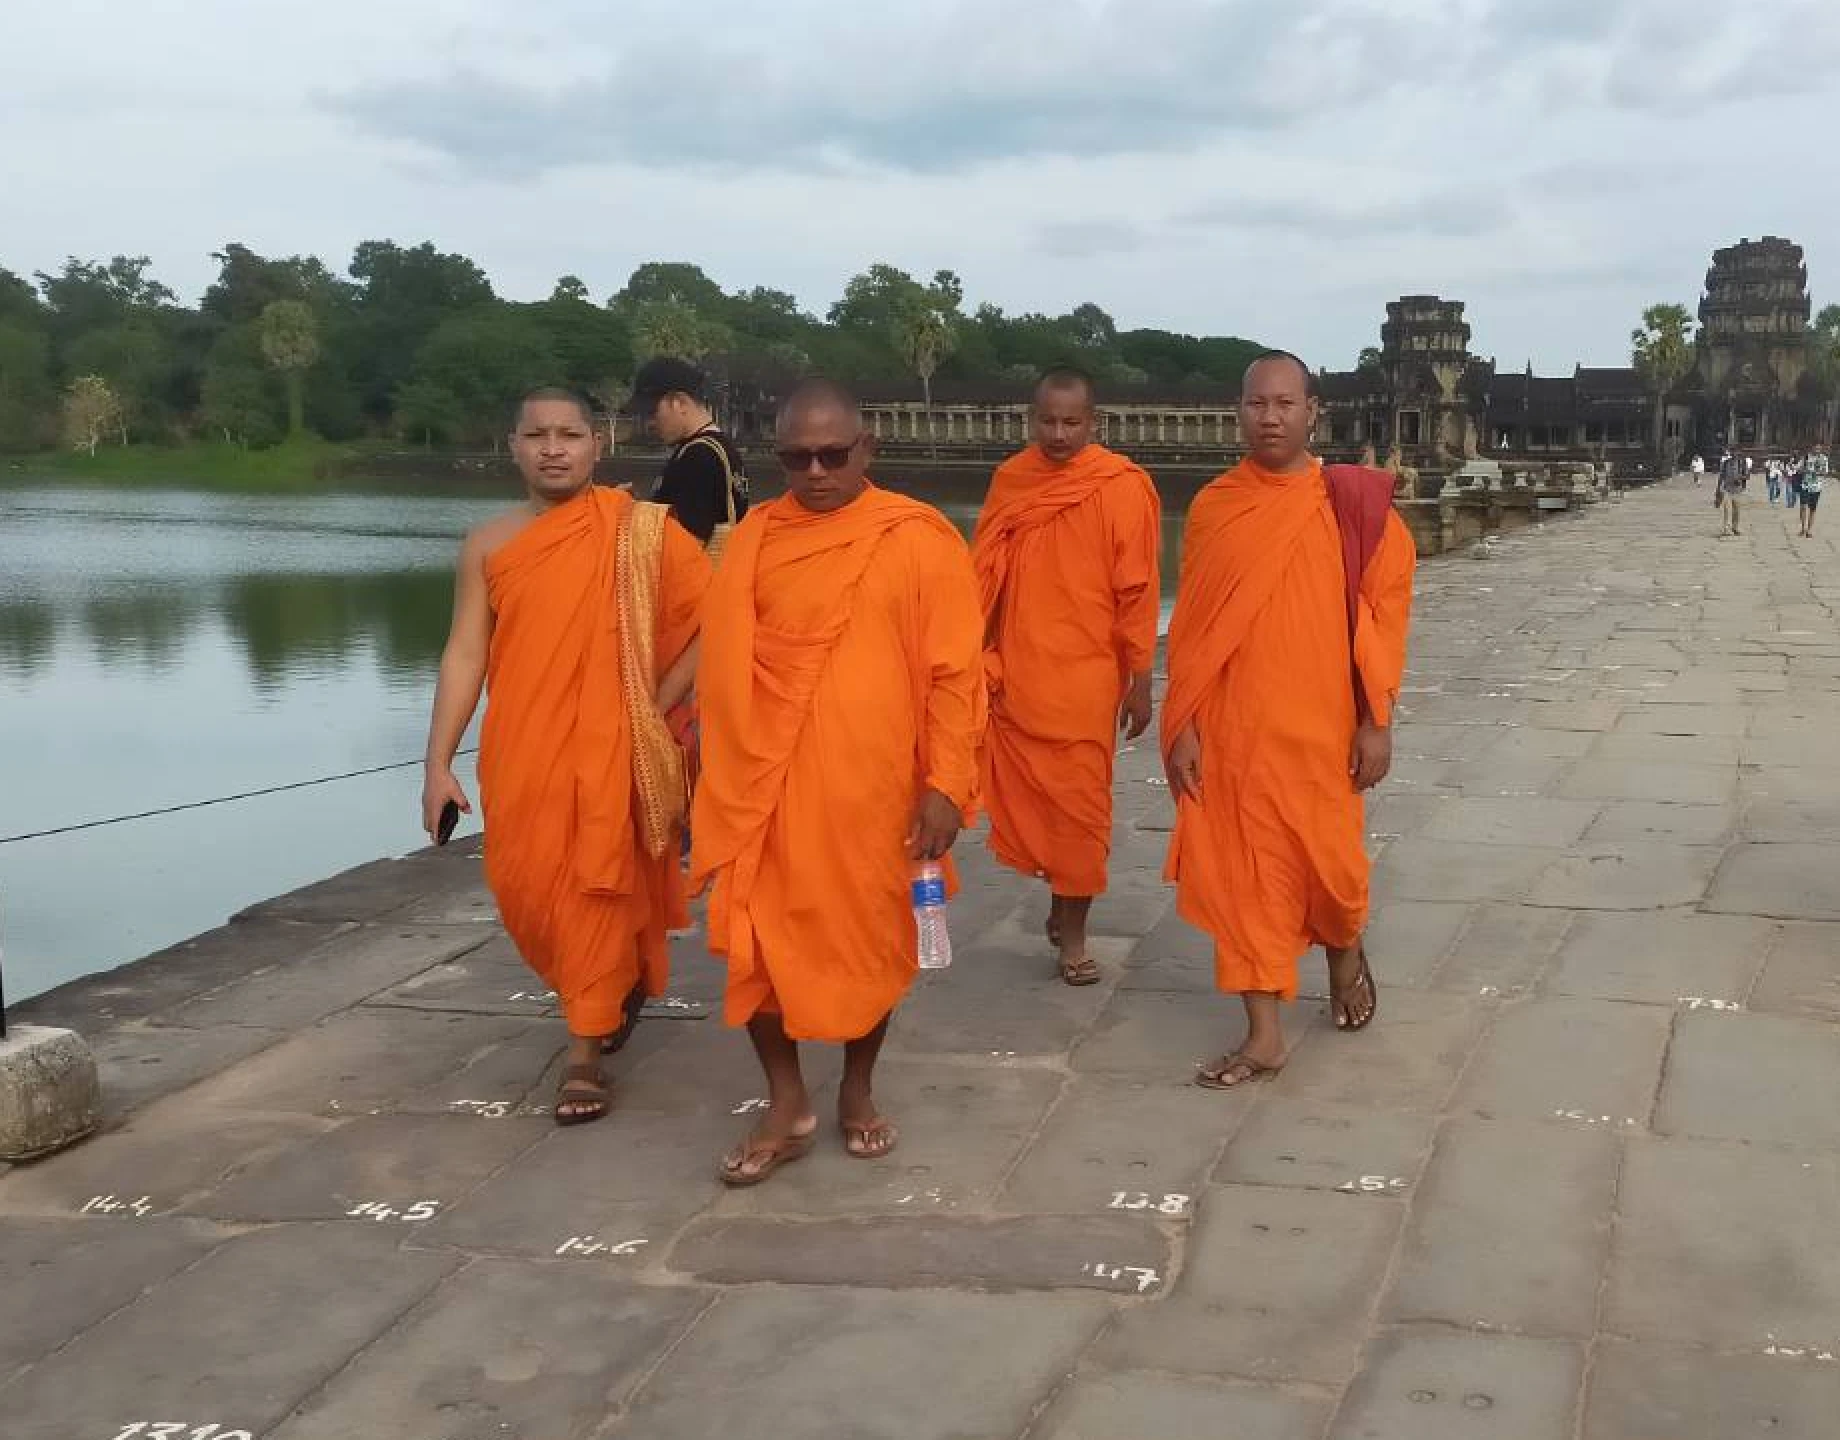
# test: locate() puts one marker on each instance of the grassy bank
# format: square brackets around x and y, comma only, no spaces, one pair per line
[300,465]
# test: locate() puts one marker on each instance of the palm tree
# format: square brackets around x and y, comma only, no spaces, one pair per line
[1662,349]
[290,342]
[924,337]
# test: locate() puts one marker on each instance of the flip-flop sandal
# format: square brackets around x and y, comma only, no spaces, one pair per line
[1247,1070]
[861,1132]
[629,1021]
[1362,981]
[582,1086]
[777,1152]
[1085,971]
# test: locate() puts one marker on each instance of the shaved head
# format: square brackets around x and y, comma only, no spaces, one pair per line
[1278,358]
[819,397]
[562,394]
[1066,377]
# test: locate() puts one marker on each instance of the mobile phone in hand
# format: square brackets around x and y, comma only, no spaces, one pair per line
[450,817]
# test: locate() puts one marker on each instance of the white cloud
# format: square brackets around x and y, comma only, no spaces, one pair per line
[1279,172]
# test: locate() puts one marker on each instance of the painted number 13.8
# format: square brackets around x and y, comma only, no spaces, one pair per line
[176,1430]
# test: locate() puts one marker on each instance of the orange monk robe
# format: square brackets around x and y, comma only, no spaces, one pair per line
[1066,559]
[585,904]
[839,674]
[1270,860]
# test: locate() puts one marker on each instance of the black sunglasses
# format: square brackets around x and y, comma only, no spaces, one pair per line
[831,457]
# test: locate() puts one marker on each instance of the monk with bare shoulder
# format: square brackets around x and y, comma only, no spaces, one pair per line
[573,612]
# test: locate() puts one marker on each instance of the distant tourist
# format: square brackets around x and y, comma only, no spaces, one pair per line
[1793,468]
[568,775]
[1698,467]
[1066,554]
[1270,735]
[1815,474]
[704,481]
[1773,475]
[842,691]
[1734,475]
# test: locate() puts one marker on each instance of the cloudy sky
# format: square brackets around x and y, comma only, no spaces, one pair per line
[1277,170]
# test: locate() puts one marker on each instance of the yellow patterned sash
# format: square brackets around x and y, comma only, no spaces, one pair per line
[660,785]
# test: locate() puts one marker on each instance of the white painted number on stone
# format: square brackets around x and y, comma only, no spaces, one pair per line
[1145,1280]
[109,1205]
[1373,1185]
[1700,1002]
[588,1245]
[177,1430]
[542,997]
[1138,1200]
[748,1107]
[412,1214]
[1582,1118]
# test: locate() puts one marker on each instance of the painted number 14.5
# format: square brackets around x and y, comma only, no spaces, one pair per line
[176,1430]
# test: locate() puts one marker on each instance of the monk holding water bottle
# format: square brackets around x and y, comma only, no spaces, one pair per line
[842,692]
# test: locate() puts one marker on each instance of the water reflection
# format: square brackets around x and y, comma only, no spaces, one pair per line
[28,632]
[288,624]
[147,628]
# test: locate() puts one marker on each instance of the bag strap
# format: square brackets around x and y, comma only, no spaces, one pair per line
[713,441]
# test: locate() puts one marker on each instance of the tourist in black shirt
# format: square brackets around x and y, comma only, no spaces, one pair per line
[704,469]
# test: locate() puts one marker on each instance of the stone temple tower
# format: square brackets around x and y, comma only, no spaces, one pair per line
[1753,347]
[1424,354]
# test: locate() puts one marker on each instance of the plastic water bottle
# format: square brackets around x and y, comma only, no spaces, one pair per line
[930,916]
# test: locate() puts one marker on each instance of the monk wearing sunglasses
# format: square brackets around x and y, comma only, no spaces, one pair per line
[842,699]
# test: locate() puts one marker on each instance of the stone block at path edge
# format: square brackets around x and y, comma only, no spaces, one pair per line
[49,1094]
[1642,1390]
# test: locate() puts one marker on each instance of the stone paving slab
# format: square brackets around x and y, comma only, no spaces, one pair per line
[908,1365]
[1433,1385]
[505,1349]
[1558,1059]
[1172,1407]
[1639,1391]
[1276,1285]
[1579,1179]
[1525,1257]
[210,1346]
[1763,1079]
[1726,1245]
[1116,1254]
[60,1277]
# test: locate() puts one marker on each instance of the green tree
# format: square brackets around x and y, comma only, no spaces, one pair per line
[431,411]
[670,282]
[485,358]
[1662,348]
[248,283]
[25,385]
[403,295]
[1824,367]
[1370,358]
[91,413]
[289,335]
[239,400]
[570,287]
[1092,328]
